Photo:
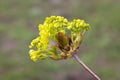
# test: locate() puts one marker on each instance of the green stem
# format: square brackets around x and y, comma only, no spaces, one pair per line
[86,67]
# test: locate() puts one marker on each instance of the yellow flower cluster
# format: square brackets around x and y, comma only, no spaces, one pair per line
[58,38]
[78,25]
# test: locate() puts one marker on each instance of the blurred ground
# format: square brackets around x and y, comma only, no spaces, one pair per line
[100,49]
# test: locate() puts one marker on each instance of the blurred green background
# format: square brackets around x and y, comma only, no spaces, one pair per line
[100,49]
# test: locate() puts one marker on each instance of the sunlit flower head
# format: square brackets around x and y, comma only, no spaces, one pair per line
[58,38]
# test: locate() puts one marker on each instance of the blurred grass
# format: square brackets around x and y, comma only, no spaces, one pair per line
[18,26]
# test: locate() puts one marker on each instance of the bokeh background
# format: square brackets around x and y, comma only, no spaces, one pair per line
[100,49]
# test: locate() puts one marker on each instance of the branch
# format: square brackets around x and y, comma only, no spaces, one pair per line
[86,67]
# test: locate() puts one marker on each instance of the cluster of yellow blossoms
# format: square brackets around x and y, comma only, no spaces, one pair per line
[58,38]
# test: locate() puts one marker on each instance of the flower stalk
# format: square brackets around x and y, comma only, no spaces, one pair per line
[85,66]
